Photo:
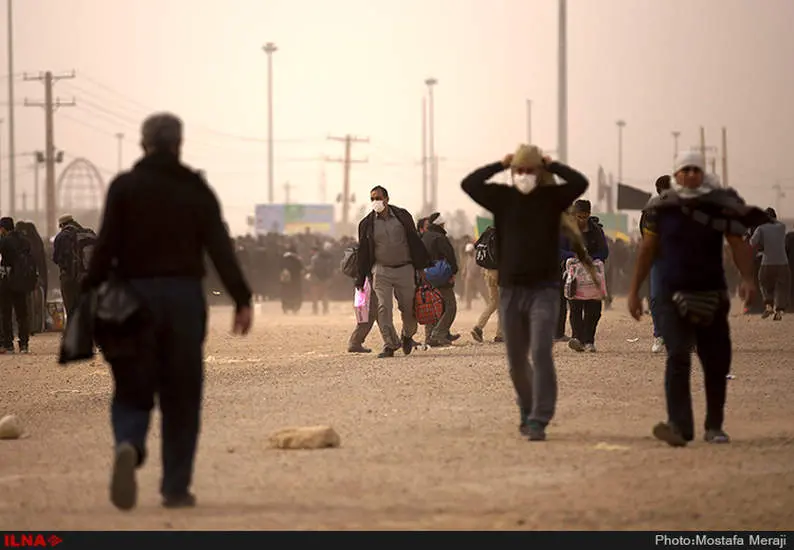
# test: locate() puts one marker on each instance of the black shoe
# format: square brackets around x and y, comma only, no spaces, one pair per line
[387,352]
[664,431]
[179,501]
[358,349]
[476,333]
[439,344]
[498,339]
[24,349]
[123,487]
[453,337]
[407,345]
[716,436]
[534,430]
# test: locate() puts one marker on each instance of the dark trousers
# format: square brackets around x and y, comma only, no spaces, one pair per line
[775,283]
[168,364]
[585,315]
[362,330]
[439,332]
[70,291]
[714,351]
[14,303]
[563,312]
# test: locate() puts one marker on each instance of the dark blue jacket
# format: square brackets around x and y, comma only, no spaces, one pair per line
[594,239]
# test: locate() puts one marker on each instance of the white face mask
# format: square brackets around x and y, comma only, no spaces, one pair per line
[378,206]
[524,182]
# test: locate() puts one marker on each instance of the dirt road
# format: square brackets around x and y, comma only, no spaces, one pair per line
[429,441]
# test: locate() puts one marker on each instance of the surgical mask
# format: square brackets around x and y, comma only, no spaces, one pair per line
[524,182]
[378,206]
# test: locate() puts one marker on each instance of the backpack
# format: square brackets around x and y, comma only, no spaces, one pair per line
[485,250]
[83,243]
[349,265]
[24,273]
[428,305]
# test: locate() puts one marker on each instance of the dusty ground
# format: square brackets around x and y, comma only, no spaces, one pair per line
[428,441]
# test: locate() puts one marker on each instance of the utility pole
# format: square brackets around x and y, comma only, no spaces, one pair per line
[676,135]
[529,122]
[346,161]
[621,124]
[50,105]
[431,148]
[38,160]
[703,142]
[562,84]
[269,49]
[287,188]
[724,157]
[120,150]
[423,210]
[779,196]
[11,133]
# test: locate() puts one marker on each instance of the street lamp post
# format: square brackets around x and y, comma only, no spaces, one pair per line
[11,141]
[676,135]
[269,49]
[621,124]
[431,82]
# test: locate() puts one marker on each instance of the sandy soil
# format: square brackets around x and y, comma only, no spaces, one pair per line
[428,441]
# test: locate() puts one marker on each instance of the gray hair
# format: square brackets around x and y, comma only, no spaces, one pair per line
[161,131]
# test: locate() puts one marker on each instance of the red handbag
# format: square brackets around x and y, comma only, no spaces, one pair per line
[428,305]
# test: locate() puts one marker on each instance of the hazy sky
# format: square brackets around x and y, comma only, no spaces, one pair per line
[352,66]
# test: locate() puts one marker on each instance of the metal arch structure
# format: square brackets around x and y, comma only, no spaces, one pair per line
[81,164]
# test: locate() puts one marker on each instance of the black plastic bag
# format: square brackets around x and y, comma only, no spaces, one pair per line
[77,342]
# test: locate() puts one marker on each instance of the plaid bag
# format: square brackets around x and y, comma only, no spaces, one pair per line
[428,305]
[699,308]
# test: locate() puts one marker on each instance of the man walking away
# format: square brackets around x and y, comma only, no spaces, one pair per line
[19,278]
[527,217]
[684,239]
[159,220]
[585,314]
[321,270]
[663,183]
[486,257]
[774,276]
[440,248]
[390,253]
[71,252]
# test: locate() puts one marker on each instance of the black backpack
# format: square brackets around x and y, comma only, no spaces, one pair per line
[24,273]
[349,265]
[83,243]
[485,250]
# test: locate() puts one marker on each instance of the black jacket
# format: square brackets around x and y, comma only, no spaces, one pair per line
[159,220]
[439,247]
[527,225]
[366,243]
[12,246]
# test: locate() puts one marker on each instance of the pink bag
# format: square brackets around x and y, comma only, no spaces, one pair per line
[361,302]
[578,283]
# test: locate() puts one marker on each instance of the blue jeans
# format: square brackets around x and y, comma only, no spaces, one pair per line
[714,351]
[169,364]
[655,290]
[529,320]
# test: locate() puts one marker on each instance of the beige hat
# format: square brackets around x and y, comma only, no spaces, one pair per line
[527,157]
[66,218]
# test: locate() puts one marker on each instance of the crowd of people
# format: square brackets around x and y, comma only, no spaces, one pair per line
[545,250]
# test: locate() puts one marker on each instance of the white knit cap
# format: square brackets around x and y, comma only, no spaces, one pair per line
[686,159]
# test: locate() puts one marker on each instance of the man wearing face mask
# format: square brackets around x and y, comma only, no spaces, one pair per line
[527,219]
[390,253]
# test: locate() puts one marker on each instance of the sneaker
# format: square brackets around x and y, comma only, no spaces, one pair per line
[767,312]
[407,345]
[534,430]
[658,345]
[476,333]
[778,315]
[664,431]
[24,349]
[387,352]
[590,348]
[179,501]
[498,339]
[123,487]
[358,349]
[716,436]
[575,345]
